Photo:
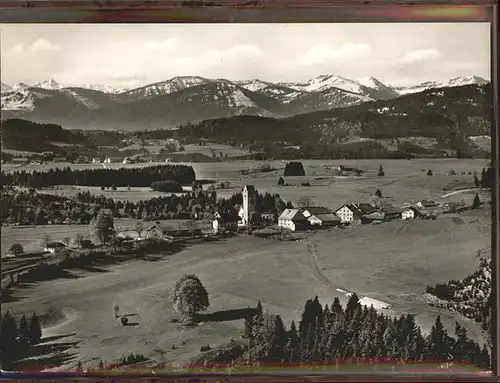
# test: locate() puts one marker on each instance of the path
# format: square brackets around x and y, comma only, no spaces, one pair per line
[320,276]
[459,191]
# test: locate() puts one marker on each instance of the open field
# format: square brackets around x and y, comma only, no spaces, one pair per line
[135,194]
[405,180]
[237,272]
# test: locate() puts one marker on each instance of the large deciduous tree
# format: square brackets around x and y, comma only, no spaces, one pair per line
[103,227]
[189,297]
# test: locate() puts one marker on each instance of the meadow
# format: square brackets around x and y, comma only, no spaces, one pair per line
[392,262]
[239,271]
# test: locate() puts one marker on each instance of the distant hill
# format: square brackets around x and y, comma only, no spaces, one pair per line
[188,99]
[435,122]
[23,135]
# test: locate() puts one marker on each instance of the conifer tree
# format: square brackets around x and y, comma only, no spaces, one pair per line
[35,330]
[248,326]
[484,178]
[477,183]
[8,342]
[459,349]
[438,345]
[352,305]
[336,307]
[485,360]
[476,203]
[279,341]
[292,344]
[24,333]
[258,310]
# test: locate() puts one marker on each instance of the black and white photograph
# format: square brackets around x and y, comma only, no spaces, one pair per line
[246,197]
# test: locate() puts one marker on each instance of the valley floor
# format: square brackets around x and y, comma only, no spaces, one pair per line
[404,257]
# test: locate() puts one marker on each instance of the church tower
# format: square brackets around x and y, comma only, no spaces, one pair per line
[248,203]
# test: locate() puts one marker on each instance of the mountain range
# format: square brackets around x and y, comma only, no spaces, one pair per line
[189,99]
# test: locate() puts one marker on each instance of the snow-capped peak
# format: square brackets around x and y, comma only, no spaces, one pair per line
[371,82]
[48,84]
[104,88]
[326,81]
[20,87]
[455,81]
[5,88]
[469,80]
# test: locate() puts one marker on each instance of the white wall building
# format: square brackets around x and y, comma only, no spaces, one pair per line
[292,219]
[248,194]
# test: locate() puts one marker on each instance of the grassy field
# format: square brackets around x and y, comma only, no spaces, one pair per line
[237,272]
[405,181]
[134,194]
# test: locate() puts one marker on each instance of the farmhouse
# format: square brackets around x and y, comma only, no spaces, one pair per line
[128,235]
[349,212]
[392,214]
[349,170]
[293,219]
[409,213]
[54,247]
[222,222]
[427,204]
[154,232]
[373,217]
[321,216]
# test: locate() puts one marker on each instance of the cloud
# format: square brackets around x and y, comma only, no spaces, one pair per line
[162,46]
[43,45]
[421,55]
[18,48]
[324,52]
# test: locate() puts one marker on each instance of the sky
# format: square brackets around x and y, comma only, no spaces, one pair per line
[131,55]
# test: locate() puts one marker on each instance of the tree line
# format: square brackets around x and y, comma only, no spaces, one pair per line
[134,177]
[16,339]
[333,334]
[33,208]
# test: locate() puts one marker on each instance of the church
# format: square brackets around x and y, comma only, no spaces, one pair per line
[249,195]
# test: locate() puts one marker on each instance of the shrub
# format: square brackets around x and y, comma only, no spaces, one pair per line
[132,359]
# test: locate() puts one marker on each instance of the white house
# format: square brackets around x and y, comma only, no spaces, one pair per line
[349,212]
[107,160]
[409,213]
[153,232]
[292,219]
[96,161]
[54,247]
[224,222]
